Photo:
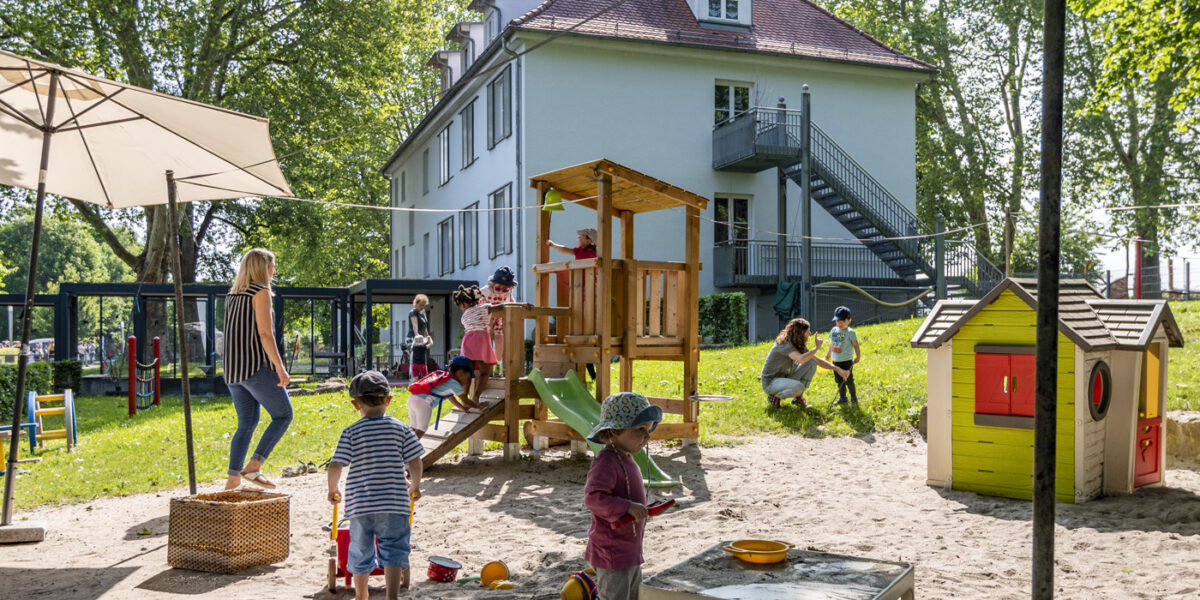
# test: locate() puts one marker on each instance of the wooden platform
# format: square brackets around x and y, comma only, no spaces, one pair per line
[456,427]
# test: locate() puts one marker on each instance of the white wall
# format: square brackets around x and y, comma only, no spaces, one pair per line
[650,107]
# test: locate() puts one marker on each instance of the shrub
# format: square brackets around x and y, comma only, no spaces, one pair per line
[37,379]
[67,374]
[723,318]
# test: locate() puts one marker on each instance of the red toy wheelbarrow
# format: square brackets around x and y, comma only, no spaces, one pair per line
[337,566]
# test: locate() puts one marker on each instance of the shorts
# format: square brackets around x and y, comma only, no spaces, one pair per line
[420,409]
[376,541]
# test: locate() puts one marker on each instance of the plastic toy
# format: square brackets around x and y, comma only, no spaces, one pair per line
[337,566]
[581,585]
[443,569]
[654,510]
[35,409]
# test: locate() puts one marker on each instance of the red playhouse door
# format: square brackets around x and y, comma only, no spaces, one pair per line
[992,384]
[1021,383]
[1146,466]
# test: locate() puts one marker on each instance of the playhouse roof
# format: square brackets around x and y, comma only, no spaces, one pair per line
[1084,316]
[631,191]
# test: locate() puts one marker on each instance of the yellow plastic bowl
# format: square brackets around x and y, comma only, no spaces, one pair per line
[762,552]
[493,571]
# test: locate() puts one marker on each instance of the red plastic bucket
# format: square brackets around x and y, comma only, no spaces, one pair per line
[443,569]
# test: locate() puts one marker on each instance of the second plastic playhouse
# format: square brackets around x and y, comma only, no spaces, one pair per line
[1112,380]
[618,307]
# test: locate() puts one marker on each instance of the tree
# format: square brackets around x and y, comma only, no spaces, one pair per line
[1131,144]
[319,69]
[977,117]
[69,252]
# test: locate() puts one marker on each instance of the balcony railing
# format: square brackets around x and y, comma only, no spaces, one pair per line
[757,139]
[755,263]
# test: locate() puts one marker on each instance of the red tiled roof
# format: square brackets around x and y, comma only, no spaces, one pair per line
[794,27]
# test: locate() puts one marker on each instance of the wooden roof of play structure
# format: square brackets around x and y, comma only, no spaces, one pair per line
[631,191]
[1087,318]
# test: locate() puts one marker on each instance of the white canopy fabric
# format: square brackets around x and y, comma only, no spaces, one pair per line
[113,142]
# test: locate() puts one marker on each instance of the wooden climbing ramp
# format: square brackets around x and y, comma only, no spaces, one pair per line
[457,427]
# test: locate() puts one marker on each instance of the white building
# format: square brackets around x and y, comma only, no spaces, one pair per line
[536,86]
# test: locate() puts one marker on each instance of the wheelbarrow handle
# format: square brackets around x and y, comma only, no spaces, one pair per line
[653,510]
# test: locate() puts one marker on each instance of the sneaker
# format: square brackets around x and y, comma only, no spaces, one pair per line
[773,401]
[854,400]
[799,402]
[841,400]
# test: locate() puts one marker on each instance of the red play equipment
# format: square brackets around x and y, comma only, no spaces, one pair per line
[144,389]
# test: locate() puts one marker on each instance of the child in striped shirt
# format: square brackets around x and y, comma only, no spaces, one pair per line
[377,448]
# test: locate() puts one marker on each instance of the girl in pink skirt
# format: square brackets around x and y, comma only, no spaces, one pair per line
[477,341]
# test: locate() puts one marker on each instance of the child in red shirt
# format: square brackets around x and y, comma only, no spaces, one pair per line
[615,489]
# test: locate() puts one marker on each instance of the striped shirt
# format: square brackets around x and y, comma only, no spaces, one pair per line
[375,449]
[475,318]
[244,353]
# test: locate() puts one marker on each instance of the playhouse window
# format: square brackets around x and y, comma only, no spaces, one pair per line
[1004,381]
[1099,390]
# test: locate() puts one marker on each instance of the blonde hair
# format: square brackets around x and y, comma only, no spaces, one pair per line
[422,298]
[255,268]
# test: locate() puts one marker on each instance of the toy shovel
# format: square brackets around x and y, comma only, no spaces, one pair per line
[654,510]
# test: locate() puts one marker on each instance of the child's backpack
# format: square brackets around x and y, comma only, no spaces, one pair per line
[426,384]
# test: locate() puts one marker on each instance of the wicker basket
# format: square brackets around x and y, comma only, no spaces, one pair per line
[229,531]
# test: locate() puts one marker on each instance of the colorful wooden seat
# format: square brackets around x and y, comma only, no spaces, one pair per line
[37,408]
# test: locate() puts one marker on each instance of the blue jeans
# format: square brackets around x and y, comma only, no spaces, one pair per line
[262,388]
[378,540]
[794,383]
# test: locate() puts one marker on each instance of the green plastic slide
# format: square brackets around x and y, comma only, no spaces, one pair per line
[569,400]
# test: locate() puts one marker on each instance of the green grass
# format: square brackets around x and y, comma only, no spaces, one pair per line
[121,455]
[1183,378]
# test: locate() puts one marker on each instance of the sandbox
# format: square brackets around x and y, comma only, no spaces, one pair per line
[803,575]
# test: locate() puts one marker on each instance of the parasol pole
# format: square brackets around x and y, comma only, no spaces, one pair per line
[10,474]
[173,218]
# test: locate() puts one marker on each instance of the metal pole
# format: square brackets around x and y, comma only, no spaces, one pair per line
[781,203]
[1049,241]
[1137,267]
[940,258]
[806,201]
[1187,282]
[1108,284]
[173,218]
[27,317]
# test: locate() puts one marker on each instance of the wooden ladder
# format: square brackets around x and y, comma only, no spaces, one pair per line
[456,427]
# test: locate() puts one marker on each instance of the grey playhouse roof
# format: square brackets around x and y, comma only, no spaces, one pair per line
[1084,316]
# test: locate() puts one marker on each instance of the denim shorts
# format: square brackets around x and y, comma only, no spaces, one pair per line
[378,540]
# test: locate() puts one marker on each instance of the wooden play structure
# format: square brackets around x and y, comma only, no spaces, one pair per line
[1112,381]
[618,307]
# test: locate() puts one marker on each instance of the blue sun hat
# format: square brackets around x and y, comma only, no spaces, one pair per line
[624,410]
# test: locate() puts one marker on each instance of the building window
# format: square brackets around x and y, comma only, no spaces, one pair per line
[500,221]
[427,267]
[469,236]
[446,246]
[425,172]
[732,220]
[491,26]
[499,96]
[468,134]
[404,263]
[723,9]
[729,101]
[444,156]
[468,53]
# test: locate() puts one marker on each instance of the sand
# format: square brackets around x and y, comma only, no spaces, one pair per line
[857,496]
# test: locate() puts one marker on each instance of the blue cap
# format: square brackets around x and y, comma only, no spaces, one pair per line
[462,361]
[840,313]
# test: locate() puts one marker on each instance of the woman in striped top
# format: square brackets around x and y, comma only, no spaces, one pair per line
[253,367]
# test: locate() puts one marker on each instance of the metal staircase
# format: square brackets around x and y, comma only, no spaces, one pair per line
[852,196]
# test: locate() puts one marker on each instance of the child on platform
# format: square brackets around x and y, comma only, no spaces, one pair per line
[477,339]
[377,448]
[499,290]
[614,489]
[843,352]
[430,391]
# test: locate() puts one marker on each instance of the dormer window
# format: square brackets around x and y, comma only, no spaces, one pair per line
[721,14]
[491,26]
[723,9]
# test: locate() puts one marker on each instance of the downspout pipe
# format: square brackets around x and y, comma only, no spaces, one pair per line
[518,187]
